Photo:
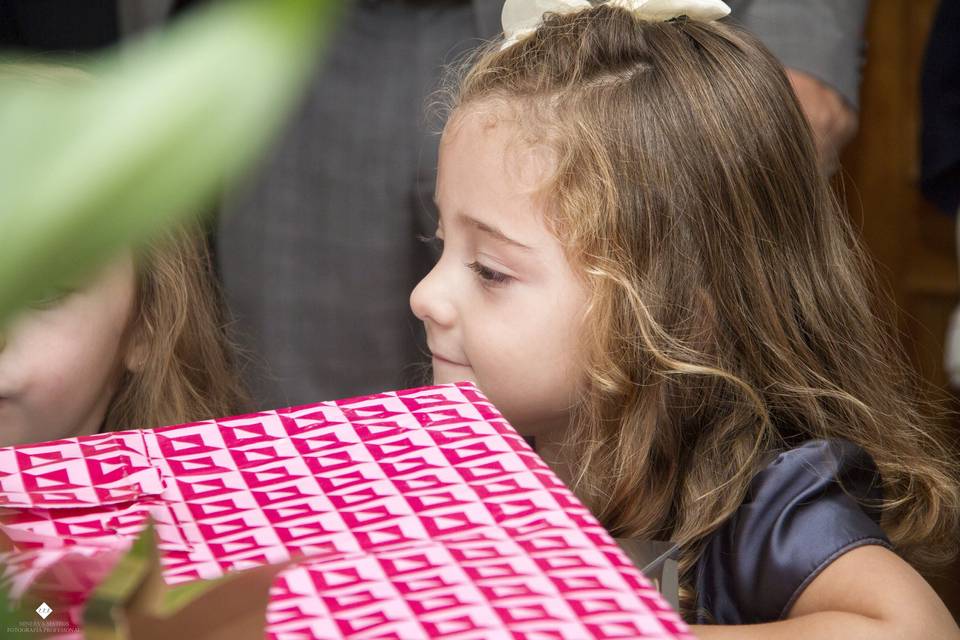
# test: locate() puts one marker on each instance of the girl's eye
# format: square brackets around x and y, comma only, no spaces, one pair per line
[50,298]
[487,275]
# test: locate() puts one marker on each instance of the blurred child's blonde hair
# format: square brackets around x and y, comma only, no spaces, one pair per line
[732,307]
[188,368]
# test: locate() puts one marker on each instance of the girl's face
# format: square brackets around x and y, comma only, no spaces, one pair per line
[502,307]
[60,361]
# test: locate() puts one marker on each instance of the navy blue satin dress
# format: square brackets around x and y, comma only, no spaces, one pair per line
[808,507]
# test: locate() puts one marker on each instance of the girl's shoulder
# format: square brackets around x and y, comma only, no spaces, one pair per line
[809,506]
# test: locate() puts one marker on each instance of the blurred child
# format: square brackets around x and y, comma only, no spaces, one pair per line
[644,270]
[141,343]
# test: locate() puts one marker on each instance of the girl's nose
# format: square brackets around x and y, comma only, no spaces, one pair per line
[430,301]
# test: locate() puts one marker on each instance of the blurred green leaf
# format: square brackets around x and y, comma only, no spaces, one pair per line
[88,168]
[133,602]
[13,616]
[137,570]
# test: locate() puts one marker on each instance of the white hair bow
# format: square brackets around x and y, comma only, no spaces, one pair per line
[520,18]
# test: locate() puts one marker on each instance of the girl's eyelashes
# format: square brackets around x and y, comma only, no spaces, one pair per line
[430,239]
[50,298]
[488,277]
[433,240]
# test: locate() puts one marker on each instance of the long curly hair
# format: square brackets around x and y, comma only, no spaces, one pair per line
[733,312]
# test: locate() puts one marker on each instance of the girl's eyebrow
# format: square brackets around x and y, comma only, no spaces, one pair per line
[489,229]
[494,232]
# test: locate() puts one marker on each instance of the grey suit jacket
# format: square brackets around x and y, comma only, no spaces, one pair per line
[821,37]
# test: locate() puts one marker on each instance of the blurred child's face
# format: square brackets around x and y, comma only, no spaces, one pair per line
[61,361]
[502,307]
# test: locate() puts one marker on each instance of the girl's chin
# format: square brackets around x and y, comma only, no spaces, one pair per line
[451,379]
[446,373]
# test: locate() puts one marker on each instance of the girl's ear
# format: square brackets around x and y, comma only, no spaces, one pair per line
[135,355]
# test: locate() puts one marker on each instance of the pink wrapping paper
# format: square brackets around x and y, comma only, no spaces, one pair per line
[416,514]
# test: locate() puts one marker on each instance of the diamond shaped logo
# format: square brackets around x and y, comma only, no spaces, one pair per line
[44,610]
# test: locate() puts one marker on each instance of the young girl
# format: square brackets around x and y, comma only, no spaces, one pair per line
[140,344]
[644,270]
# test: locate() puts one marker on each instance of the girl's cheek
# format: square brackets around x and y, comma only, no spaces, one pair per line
[19,356]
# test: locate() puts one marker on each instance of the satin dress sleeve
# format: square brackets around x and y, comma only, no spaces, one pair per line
[811,505]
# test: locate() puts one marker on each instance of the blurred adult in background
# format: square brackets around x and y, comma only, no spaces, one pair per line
[820,42]
[940,138]
[319,252]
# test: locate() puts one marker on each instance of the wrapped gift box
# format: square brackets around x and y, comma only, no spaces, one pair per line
[409,514]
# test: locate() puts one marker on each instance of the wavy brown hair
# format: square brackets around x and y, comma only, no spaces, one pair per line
[187,369]
[733,312]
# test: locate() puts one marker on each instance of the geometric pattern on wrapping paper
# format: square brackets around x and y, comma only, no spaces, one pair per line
[409,514]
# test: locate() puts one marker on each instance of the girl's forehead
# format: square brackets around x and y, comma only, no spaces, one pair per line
[482,117]
[526,116]
[495,130]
